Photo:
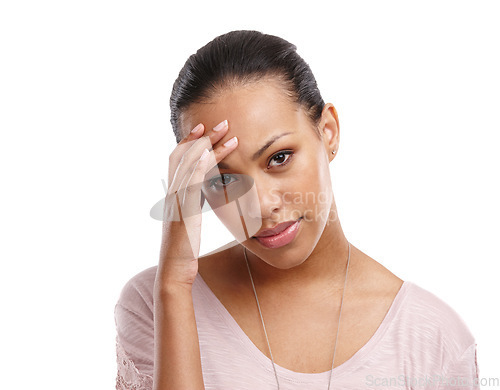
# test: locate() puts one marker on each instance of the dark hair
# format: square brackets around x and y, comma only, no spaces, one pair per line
[240,57]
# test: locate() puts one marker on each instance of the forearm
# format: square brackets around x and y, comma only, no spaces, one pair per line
[177,363]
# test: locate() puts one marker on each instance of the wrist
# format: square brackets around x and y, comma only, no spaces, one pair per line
[172,289]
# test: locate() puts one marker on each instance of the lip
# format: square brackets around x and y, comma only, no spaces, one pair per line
[275,230]
[285,233]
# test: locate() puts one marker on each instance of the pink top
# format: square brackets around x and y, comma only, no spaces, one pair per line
[422,343]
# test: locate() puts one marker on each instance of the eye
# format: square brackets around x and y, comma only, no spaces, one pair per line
[219,182]
[282,158]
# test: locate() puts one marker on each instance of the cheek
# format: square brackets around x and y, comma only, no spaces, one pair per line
[242,215]
[313,175]
[314,185]
[230,217]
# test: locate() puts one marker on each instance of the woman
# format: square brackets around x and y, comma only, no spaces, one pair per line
[291,303]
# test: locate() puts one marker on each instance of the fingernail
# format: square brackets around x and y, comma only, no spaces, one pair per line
[231,142]
[221,125]
[197,128]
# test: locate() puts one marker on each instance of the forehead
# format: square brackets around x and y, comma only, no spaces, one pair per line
[251,109]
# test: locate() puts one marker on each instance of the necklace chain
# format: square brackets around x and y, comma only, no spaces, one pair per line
[264,326]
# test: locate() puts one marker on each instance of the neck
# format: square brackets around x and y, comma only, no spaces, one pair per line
[325,267]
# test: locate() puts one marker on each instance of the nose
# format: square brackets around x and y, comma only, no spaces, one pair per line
[270,199]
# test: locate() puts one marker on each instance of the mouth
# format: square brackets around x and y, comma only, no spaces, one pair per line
[280,235]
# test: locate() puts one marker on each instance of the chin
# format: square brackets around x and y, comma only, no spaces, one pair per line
[284,258]
[287,265]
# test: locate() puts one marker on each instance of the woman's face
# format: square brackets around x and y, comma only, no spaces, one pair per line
[278,173]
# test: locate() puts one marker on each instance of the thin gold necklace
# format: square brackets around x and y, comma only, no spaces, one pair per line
[264,326]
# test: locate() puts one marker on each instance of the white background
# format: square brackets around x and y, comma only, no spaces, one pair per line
[85,140]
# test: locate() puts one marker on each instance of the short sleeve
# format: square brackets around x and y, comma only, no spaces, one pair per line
[462,373]
[128,377]
[135,335]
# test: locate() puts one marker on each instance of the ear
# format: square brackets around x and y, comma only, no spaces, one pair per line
[329,130]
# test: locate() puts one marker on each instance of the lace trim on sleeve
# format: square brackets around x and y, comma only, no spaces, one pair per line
[128,376]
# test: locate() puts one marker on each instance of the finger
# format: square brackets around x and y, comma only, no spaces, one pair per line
[183,146]
[190,191]
[220,152]
[211,169]
[215,156]
[191,203]
[188,163]
[189,157]
[184,177]
[195,133]
[175,209]
[215,134]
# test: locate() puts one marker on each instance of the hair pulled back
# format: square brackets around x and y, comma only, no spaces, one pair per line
[238,58]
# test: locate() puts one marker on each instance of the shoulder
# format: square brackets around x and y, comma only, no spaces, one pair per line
[432,320]
[138,290]
[134,320]
[137,293]
[419,317]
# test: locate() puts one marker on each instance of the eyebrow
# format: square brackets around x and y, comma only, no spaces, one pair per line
[259,152]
